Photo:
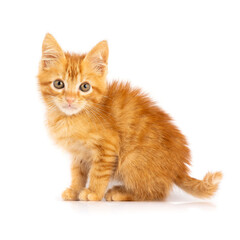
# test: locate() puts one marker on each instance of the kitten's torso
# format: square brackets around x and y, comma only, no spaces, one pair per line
[67,134]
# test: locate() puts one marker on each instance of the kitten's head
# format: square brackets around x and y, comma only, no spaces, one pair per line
[72,82]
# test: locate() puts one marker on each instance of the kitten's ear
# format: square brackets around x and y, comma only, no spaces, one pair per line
[51,52]
[97,58]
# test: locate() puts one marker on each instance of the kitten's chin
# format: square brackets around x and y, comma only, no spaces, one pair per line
[70,110]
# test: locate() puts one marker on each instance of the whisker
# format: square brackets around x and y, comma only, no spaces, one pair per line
[106,97]
[103,110]
[89,115]
[99,113]
[103,105]
[94,117]
[94,112]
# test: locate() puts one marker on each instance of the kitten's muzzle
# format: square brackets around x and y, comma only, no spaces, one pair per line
[70,100]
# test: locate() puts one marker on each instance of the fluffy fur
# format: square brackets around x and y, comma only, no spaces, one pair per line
[113,131]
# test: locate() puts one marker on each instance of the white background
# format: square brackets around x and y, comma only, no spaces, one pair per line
[185,54]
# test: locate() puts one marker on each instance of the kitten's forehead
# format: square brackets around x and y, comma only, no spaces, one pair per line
[73,70]
[73,67]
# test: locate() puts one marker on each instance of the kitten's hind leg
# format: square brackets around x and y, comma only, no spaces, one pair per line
[119,193]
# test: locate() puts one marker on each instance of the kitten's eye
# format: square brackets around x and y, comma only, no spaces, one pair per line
[84,87]
[58,84]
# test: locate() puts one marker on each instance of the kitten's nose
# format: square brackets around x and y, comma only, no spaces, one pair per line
[70,100]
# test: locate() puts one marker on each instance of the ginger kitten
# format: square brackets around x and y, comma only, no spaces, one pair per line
[112,131]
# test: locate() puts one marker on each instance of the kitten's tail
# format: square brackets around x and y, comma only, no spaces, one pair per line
[200,188]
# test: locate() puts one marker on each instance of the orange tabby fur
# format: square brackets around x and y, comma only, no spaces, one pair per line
[113,132]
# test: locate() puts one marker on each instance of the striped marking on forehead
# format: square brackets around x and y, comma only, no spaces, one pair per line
[73,70]
[73,67]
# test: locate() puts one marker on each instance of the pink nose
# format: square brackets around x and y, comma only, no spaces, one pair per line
[70,100]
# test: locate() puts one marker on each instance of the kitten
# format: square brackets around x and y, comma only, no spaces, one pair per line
[112,132]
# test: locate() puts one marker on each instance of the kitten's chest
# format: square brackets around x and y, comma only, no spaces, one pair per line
[72,136]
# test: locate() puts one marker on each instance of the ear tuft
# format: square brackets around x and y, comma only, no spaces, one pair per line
[51,51]
[97,58]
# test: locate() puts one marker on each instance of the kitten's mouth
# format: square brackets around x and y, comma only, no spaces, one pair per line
[70,109]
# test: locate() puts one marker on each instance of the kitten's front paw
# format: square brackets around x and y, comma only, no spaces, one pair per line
[70,195]
[88,195]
